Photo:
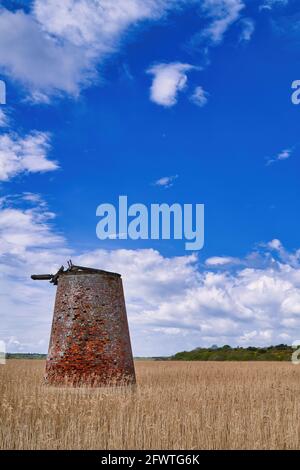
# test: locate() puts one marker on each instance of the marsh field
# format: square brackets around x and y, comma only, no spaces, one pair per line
[176,405]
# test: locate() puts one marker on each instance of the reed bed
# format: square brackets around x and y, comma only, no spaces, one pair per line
[176,405]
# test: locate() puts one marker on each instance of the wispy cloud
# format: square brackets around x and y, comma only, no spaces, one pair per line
[223,14]
[270,4]
[4,121]
[248,28]
[221,261]
[67,40]
[283,155]
[199,97]
[22,154]
[166,181]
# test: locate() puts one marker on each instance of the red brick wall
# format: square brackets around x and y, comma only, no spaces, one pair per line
[90,341]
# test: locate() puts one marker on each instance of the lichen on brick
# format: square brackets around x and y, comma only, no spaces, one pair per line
[90,342]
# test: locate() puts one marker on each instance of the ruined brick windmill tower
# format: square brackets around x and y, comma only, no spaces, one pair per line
[90,343]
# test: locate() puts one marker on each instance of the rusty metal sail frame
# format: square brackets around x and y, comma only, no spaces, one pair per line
[72,268]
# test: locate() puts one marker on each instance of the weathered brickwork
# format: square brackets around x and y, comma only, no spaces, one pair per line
[90,343]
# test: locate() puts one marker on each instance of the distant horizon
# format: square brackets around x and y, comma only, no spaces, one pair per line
[197,347]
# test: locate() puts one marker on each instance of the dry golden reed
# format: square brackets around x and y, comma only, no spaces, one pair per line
[176,405]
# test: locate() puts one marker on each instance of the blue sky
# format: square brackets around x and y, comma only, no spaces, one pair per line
[108,98]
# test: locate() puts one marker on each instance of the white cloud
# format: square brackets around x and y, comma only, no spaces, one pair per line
[248,27]
[283,155]
[276,247]
[263,336]
[95,22]
[199,97]
[24,154]
[223,14]
[57,46]
[291,305]
[221,260]
[269,4]
[172,304]
[37,60]
[208,306]
[169,79]
[25,229]
[275,244]
[4,121]
[166,181]
[28,244]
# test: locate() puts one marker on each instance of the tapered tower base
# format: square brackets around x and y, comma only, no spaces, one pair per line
[90,343]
